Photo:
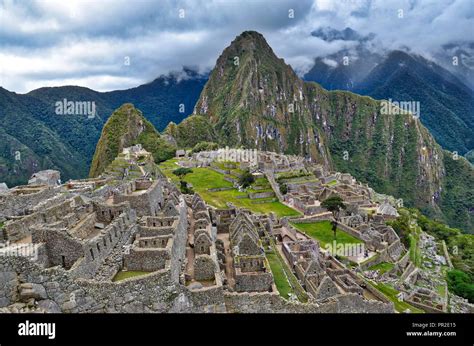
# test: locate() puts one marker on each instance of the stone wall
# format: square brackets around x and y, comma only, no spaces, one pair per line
[156,292]
[273,303]
[204,268]
[61,249]
[218,170]
[217,189]
[382,297]
[252,281]
[374,260]
[178,251]
[257,195]
[349,230]
[106,213]
[403,262]
[19,204]
[19,229]
[98,249]
[8,287]
[147,203]
[23,227]
[150,293]
[386,255]
[206,299]
[424,307]
[150,259]
[314,218]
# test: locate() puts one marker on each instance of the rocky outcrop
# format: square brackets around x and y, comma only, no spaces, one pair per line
[48,177]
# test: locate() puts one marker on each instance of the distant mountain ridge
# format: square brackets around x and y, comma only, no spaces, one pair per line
[44,139]
[446,101]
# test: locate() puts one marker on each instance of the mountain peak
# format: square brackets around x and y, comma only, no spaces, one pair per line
[249,41]
[125,127]
[247,73]
[251,35]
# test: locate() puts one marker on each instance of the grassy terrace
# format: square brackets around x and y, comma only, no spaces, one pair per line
[229,166]
[383,267]
[204,179]
[332,183]
[279,275]
[122,275]
[285,281]
[322,232]
[391,293]
[415,252]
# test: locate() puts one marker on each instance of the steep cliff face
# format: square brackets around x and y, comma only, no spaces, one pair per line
[126,127]
[254,99]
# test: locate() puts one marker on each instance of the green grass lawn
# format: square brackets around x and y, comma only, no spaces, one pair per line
[322,231]
[391,293]
[383,267]
[262,182]
[415,255]
[204,179]
[279,276]
[285,281]
[441,289]
[121,275]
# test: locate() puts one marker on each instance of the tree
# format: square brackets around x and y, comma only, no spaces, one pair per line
[181,172]
[461,284]
[246,179]
[283,189]
[335,205]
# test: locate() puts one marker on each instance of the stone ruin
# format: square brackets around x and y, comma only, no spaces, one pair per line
[320,275]
[191,257]
[202,267]
[251,269]
[48,177]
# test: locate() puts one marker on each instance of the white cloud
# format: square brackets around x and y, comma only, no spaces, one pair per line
[330,62]
[83,42]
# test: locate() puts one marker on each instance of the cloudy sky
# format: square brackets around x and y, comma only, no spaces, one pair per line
[88,43]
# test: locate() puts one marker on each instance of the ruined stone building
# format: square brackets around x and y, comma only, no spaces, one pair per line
[252,271]
[180,254]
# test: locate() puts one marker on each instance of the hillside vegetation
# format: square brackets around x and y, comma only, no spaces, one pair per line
[127,127]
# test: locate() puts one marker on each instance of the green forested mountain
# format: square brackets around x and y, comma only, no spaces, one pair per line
[30,143]
[30,125]
[168,98]
[446,104]
[254,99]
[125,127]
